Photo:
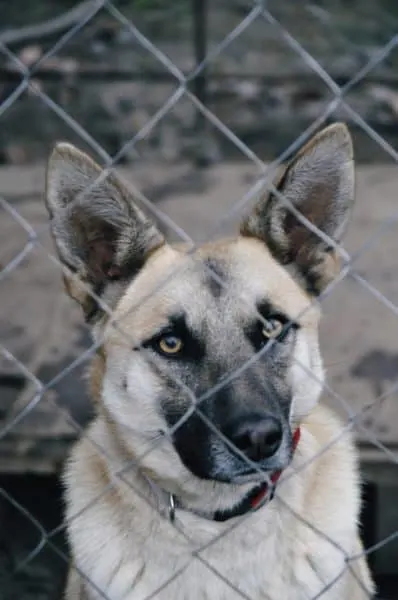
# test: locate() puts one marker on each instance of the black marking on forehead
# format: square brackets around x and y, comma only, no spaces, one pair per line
[217,268]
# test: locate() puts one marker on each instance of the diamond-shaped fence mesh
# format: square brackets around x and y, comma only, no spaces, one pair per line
[196,105]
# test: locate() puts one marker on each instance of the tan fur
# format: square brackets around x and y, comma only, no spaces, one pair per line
[96,374]
[120,475]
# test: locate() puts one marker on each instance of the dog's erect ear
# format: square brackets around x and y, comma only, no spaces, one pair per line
[319,184]
[100,234]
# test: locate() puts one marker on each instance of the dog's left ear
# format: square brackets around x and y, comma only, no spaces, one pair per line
[319,184]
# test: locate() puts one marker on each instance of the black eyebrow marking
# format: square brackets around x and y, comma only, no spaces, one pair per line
[267,310]
[253,329]
[194,347]
[174,322]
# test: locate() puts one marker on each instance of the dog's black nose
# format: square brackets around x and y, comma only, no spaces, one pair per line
[257,437]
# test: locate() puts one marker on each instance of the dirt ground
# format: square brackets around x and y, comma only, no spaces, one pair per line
[43,328]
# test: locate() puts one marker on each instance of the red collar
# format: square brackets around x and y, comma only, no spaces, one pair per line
[256,498]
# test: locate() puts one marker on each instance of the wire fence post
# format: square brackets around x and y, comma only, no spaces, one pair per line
[203,151]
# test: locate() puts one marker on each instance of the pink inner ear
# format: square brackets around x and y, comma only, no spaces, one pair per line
[100,259]
[114,271]
[316,208]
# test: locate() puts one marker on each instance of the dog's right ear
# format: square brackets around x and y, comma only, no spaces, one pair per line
[101,236]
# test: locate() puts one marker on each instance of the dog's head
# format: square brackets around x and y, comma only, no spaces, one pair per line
[220,341]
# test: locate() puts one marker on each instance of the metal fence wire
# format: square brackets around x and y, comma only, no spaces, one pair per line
[190,86]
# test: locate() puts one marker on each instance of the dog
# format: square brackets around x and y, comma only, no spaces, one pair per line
[211,469]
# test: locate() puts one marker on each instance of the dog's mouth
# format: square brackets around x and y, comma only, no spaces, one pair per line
[235,470]
[247,474]
[259,477]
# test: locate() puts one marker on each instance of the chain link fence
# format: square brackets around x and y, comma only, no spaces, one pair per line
[191,86]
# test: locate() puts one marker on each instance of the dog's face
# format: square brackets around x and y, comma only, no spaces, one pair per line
[214,352]
[244,334]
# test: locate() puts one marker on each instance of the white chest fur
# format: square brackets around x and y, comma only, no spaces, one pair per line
[269,554]
[293,548]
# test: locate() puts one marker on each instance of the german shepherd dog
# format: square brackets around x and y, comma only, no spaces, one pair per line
[210,470]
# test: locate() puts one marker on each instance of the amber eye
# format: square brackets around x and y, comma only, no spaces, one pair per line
[272,328]
[170,344]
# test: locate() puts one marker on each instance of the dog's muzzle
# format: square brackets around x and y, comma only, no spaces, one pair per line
[259,496]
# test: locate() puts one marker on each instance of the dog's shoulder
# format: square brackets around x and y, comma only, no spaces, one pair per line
[86,473]
[328,466]
[327,469]
[331,439]
[328,444]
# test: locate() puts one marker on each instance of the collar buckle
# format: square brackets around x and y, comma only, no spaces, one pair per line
[172,508]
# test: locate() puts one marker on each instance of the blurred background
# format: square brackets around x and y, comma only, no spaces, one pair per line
[192,99]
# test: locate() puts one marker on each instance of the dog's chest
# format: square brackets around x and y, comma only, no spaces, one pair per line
[266,555]
[254,559]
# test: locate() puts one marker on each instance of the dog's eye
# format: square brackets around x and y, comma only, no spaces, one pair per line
[272,328]
[170,344]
